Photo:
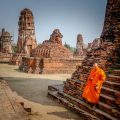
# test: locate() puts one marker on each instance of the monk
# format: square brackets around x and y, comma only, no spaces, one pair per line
[93,86]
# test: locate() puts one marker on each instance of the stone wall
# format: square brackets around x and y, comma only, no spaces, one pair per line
[48,65]
[52,48]
[5,57]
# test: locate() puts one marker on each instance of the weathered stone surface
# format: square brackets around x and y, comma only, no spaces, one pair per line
[50,57]
[5,46]
[56,37]
[52,48]
[26,32]
[5,42]
[26,36]
[48,65]
[10,109]
[80,47]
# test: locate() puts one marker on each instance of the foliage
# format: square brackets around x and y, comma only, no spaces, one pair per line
[14,47]
[72,49]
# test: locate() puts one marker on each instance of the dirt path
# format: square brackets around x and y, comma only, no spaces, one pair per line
[33,89]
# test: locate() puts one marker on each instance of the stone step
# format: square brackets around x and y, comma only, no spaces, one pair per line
[104,96]
[113,78]
[73,86]
[116,72]
[86,107]
[117,65]
[109,109]
[51,88]
[76,81]
[107,99]
[112,85]
[84,114]
[109,92]
[55,87]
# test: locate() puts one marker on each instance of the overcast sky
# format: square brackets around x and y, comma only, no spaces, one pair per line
[70,16]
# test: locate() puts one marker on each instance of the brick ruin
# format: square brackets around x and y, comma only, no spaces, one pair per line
[107,54]
[93,45]
[50,57]
[5,46]
[26,36]
[80,47]
[52,48]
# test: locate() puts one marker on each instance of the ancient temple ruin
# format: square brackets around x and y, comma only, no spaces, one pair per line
[5,42]
[52,48]
[107,54]
[5,46]
[80,47]
[26,32]
[50,57]
[26,36]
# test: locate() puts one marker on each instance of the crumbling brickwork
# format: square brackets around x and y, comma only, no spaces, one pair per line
[26,36]
[5,46]
[106,54]
[50,57]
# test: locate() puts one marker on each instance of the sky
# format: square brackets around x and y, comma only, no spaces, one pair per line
[70,16]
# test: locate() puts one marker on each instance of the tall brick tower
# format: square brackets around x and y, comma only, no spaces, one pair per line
[111,29]
[26,32]
[79,46]
[26,36]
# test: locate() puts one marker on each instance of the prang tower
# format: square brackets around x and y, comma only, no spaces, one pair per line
[26,32]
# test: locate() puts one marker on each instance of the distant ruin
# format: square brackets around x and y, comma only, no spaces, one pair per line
[5,46]
[80,47]
[26,36]
[50,57]
[52,48]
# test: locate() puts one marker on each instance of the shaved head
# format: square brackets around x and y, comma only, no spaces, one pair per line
[95,65]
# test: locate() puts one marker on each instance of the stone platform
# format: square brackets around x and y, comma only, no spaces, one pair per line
[9,108]
[49,65]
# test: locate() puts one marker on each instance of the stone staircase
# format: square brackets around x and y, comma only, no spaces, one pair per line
[70,93]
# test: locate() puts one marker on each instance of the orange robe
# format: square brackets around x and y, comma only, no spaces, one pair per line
[96,78]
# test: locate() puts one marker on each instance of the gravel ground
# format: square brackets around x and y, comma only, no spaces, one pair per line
[33,89]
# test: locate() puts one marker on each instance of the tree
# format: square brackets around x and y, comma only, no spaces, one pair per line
[72,49]
[14,47]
